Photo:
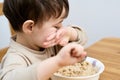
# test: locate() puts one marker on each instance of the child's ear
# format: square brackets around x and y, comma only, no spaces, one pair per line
[28,26]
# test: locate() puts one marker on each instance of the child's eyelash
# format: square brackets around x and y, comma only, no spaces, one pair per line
[56,27]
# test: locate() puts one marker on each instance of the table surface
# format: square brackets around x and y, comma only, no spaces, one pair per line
[107,50]
[1,4]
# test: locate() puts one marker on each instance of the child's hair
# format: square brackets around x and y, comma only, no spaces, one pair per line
[18,11]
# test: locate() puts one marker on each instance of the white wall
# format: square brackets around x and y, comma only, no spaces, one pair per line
[4,32]
[1,0]
[100,18]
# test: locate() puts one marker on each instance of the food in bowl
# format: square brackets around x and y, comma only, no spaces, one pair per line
[92,72]
[79,69]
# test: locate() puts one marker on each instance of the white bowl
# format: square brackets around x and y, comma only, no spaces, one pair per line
[96,76]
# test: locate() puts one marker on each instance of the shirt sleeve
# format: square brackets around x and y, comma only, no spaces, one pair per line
[81,38]
[81,35]
[14,67]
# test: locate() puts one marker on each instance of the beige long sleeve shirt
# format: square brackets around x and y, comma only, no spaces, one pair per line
[20,62]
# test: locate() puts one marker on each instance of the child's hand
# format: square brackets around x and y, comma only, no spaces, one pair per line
[61,37]
[70,54]
[65,34]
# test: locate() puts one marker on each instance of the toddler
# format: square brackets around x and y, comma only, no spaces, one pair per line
[41,44]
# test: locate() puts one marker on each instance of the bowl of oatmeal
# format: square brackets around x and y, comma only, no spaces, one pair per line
[90,69]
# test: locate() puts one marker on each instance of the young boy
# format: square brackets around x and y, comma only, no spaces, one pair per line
[41,45]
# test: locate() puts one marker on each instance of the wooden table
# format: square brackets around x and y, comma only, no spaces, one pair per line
[107,51]
[1,6]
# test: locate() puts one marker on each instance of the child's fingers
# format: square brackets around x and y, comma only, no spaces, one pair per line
[50,37]
[60,33]
[78,53]
[82,57]
[63,42]
[50,43]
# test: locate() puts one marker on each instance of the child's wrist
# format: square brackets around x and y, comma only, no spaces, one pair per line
[59,61]
[73,34]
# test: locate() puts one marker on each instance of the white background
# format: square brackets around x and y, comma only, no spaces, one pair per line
[100,18]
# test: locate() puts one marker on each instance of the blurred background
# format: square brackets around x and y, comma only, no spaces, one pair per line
[99,18]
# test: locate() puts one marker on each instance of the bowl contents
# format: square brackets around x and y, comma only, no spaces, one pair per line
[79,69]
[90,69]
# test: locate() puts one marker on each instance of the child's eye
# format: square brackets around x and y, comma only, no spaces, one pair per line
[56,27]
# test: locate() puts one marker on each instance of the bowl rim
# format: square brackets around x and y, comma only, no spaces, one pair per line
[81,77]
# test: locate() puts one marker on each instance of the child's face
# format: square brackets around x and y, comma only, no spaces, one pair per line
[41,33]
[48,28]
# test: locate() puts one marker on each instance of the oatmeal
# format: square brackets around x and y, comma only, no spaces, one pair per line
[79,69]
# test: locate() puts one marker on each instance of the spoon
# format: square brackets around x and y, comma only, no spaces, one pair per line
[94,63]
